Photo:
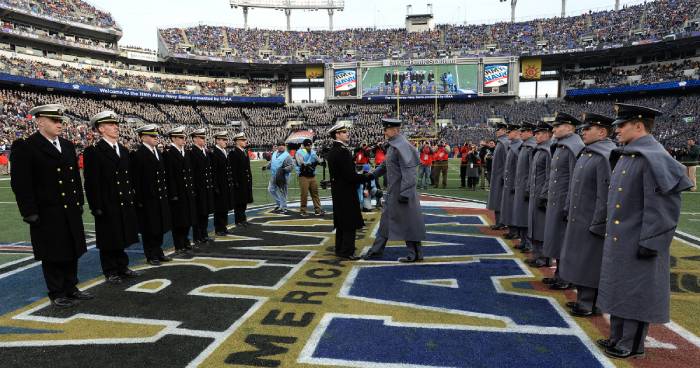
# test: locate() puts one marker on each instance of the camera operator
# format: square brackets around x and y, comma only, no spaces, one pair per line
[306,161]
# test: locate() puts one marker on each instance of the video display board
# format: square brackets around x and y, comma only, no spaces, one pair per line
[345,83]
[496,78]
[420,81]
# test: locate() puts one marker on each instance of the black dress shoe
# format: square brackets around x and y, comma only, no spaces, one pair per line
[538,263]
[178,253]
[580,312]
[63,302]
[605,343]
[153,262]
[498,227]
[408,259]
[113,280]
[561,286]
[164,259]
[510,236]
[349,258]
[549,280]
[81,295]
[129,273]
[571,304]
[618,353]
[525,250]
[370,256]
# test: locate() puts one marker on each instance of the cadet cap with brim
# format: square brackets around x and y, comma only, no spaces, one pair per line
[626,112]
[106,116]
[148,129]
[53,111]
[564,118]
[592,119]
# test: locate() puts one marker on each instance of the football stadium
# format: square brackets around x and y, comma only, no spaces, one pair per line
[314,183]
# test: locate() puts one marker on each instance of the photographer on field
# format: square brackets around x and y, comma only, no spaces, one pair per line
[306,159]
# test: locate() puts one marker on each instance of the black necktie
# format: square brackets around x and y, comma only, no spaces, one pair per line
[116,150]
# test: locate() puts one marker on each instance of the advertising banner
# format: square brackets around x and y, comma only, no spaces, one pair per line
[495,79]
[345,83]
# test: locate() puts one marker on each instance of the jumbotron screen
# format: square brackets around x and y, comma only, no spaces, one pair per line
[420,80]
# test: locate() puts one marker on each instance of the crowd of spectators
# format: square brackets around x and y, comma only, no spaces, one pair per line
[643,74]
[267,125]
[612,28]
[120,78]
[70,10]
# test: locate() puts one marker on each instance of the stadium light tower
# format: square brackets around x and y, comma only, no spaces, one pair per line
[513,3]
[563,8]
[287,6]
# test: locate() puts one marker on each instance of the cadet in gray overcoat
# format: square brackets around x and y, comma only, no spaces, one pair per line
[509,171]
[538,182]
[522,174]
[568,146]
[496,181]
[582,250]
[644,203]
[401,215]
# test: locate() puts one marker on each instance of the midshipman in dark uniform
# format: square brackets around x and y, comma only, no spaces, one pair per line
[203,180]
[644,204]
[111,197]
[181,192]
[151,194]
[49,193]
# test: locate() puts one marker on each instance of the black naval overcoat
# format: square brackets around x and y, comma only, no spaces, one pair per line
[178,170]
[242,176]
[150,191]
[582,250]
[224,192]
[108,190]
[47,183]
[203,176]
[344,181]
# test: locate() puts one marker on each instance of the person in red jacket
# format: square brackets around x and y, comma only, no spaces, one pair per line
[440,164]
[361,156]
[464,154]
[426,161]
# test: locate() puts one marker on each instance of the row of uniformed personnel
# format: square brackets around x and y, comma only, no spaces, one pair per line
[606,214]
[143,191]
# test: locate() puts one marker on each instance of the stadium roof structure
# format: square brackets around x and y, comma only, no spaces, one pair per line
[288,5]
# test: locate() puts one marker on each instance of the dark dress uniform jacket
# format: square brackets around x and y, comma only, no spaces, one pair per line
[151,191]
[497,166]
[344,182]
[401,221]
[582,251]
[178,170]
[538,182]
[203,176]
[242,176]
[562,167]
[223,181]
[522,188]
[108,189]
[47,183]
[509,181]
[644,203]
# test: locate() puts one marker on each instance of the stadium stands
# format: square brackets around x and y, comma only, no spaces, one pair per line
[266,125]
[67,10]
[604,29]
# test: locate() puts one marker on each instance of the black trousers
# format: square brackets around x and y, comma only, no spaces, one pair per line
[344,242]
[180,240]
[463,175]
[220,221]
[200,229]
[152,244]
[61,278]
[239,213]
[472,181]
[113,261]
[628,334]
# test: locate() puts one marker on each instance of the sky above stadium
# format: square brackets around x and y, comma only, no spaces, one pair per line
[140,19]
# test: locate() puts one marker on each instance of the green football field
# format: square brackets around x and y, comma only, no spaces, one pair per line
[13,230]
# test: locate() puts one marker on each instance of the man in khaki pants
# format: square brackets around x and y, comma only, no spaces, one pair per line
[306,160]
